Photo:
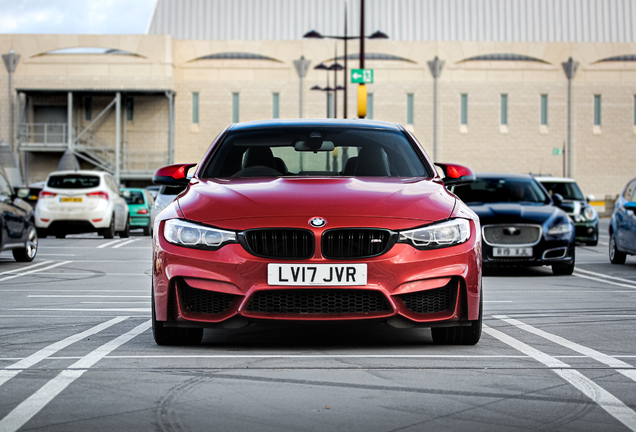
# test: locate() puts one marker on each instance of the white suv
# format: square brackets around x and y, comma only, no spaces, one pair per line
[74,202]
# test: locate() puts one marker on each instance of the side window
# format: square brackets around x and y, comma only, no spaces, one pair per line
[5,189]
[629,191]
[632,192]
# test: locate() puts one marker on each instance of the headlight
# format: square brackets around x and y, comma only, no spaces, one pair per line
[589,213]
[195,236]
[440,235]
[560,229]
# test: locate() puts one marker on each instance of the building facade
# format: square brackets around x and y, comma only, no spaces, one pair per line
[501,99]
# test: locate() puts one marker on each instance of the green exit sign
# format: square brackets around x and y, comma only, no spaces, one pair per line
[362,76]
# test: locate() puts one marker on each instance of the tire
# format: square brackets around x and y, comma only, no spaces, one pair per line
[592,243]
[126,232]
[147,230]
[564,269]
[30,249]
[460,335]
[615,256]
[60,235]
[42,232]
[173,335]
[109,232]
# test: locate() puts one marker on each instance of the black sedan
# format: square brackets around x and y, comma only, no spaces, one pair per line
[17,230]
[521,223]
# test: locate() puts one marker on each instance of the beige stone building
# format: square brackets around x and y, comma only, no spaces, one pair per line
[129,104]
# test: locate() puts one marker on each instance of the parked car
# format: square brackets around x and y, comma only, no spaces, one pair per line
[576,206]
[166,195]
[521,224]
[31,192]
[17,230]
[74,202]
[267,230]
[139,204]
[622,228]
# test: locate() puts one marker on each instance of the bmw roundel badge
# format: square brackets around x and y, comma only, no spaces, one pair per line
[317,222]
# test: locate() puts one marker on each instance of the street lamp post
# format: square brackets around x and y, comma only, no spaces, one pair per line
[11,63]
[301,66]
[313,34]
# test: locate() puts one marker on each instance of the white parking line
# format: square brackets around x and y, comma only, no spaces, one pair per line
[604,276]
[604,280]
[101,246]
[24,412]
[30,266]
[14,369]
[143,310]
[84,296]
[125,243]
[621,367]
[28,272]
[589,388]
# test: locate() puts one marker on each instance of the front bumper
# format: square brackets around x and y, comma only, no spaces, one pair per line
[546,252]
[228,287]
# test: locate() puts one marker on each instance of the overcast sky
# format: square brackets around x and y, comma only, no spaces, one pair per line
[76,16]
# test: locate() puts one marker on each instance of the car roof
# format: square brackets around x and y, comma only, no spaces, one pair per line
[554,179]
[503,176]
[344,123]
[82,172]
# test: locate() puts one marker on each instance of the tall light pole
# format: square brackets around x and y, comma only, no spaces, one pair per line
[436,70]
[301,66]
[313,34]
[570,67]
[11,63]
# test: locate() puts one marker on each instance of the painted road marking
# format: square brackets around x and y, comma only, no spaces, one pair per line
[24,412]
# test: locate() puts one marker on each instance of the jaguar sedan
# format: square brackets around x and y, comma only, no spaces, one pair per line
[521,224]
[316,221]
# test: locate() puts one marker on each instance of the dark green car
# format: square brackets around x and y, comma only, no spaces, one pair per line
[139,204]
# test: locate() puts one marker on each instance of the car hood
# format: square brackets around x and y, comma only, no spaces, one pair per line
[245,203]
[514,213]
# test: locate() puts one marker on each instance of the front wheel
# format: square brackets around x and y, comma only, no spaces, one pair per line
[30,249]
[468,335]
[173,335]
[615,256]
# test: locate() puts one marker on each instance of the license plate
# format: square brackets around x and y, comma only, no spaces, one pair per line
[317,274]
[71,199]
[512,252]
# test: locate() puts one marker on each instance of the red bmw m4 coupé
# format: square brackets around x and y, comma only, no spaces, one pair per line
[316,220]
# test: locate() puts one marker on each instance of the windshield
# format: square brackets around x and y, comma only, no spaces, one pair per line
[134,197]
[73,181]
[501,190]
[569,190]
[316,151]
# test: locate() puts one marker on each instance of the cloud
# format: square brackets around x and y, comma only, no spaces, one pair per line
[75,16]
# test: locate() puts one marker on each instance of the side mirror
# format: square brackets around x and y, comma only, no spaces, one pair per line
[630,205]
[557,199]
[172,175]
[456,174]
[22,193]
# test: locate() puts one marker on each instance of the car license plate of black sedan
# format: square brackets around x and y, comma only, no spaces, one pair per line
[517,252]
[317,274]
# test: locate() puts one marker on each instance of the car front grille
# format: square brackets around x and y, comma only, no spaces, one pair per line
[319,301]
[203,301]
[355,243]
[279,243]
[431,301]
[507,235]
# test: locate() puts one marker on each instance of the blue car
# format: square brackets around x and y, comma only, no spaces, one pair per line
[622,229]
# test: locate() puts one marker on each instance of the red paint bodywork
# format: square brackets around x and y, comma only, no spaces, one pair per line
[240,204]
